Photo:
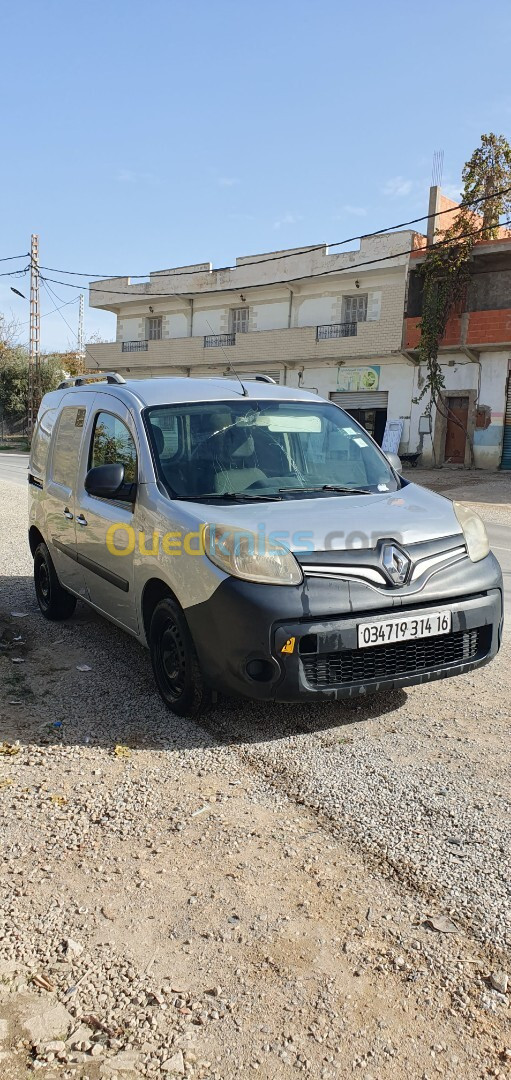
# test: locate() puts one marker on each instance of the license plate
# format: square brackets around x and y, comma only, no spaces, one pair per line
[385,631]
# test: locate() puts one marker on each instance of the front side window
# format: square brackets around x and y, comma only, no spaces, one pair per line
[274,449]
[155,328]
[355,308]
[67,446]
[239,320]
[113,444]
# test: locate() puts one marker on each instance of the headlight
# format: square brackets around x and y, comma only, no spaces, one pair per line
[250,556]
[474,531]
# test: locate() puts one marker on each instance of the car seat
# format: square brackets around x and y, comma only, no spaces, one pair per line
[239,450]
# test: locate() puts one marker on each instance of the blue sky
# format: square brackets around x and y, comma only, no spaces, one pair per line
[143,135]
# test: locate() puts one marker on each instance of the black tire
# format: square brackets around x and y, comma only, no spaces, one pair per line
[175,663]
[55,602]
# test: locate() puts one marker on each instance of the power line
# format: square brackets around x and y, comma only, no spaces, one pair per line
[15,273]
[46,313]
[10,258]
[298,251]
[49,290]
[282,281]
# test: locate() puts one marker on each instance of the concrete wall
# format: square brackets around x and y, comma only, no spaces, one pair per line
[253,272]
[271,314]
[488,386]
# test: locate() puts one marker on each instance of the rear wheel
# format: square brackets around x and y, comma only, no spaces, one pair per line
[54,601]
[175,663]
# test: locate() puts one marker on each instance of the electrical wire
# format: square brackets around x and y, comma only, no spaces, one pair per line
[15,273]
[10,258]
[51,294]
[75,300]
[282,281]
[298,251]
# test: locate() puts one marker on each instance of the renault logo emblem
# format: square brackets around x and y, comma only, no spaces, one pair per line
[395,563]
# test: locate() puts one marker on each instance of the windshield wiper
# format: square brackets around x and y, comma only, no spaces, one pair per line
[237,496]
[332,487]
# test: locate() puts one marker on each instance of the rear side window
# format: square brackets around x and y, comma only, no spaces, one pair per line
[67,446]
[112,443]
[41,443]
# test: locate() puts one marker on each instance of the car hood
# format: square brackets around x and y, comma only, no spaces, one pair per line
[408,516]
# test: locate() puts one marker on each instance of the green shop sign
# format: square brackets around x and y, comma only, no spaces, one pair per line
[358,378]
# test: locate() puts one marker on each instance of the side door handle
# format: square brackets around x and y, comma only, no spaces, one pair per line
[81,520]
[68,514]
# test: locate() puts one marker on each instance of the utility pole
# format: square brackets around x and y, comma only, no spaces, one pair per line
[79,341]
[34,373]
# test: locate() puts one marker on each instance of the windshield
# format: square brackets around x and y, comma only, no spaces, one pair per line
[268,449]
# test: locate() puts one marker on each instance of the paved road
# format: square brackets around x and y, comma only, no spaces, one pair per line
[13,467]
[500,540]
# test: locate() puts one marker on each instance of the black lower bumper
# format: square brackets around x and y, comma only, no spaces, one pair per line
[275,644]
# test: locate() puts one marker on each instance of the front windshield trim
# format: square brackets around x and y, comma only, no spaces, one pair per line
[347,427]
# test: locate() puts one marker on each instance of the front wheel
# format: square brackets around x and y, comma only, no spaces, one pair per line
[175,663]
[54,601]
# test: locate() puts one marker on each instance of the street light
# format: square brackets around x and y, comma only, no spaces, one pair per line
[18,293]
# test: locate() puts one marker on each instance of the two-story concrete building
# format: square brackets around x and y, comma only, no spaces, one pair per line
[327,321]
[345,324]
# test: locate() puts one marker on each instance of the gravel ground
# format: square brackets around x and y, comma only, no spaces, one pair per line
[252,894]
[488,492]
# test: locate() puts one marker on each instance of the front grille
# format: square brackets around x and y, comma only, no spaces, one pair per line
[399,658]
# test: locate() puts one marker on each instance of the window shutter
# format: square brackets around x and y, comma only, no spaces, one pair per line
[239,320]
[374,306]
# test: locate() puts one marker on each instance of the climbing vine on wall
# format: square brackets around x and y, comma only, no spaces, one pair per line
[446,268]
[445,274]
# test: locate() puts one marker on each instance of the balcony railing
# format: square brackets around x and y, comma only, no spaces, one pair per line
[217,341]
[336,329]
[134,346]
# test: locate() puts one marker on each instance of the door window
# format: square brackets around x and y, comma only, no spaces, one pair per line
[67,446]
[113,444]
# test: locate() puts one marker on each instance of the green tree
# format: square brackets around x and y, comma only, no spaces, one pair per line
[488,171]
[14,367]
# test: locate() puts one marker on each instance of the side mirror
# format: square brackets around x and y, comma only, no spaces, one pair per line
[395,461]
[107,482]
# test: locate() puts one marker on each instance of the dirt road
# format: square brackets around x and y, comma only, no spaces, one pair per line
[284,890]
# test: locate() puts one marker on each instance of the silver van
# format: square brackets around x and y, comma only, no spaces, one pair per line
[255,539]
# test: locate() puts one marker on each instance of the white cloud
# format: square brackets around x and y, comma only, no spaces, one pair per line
[128,176]
[241,217]
[228,181]
[356,211]
[286,219]
[397,187]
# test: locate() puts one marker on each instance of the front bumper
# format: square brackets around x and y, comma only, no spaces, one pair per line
[241,631]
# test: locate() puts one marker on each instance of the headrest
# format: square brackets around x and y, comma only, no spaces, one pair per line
[241,443]
[219,420]
[159,440]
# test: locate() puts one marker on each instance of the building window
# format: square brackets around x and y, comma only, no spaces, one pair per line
[239,320]
[355,308]
[154,329]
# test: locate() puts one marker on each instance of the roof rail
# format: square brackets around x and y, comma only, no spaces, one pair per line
[264,378]
[96,376]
